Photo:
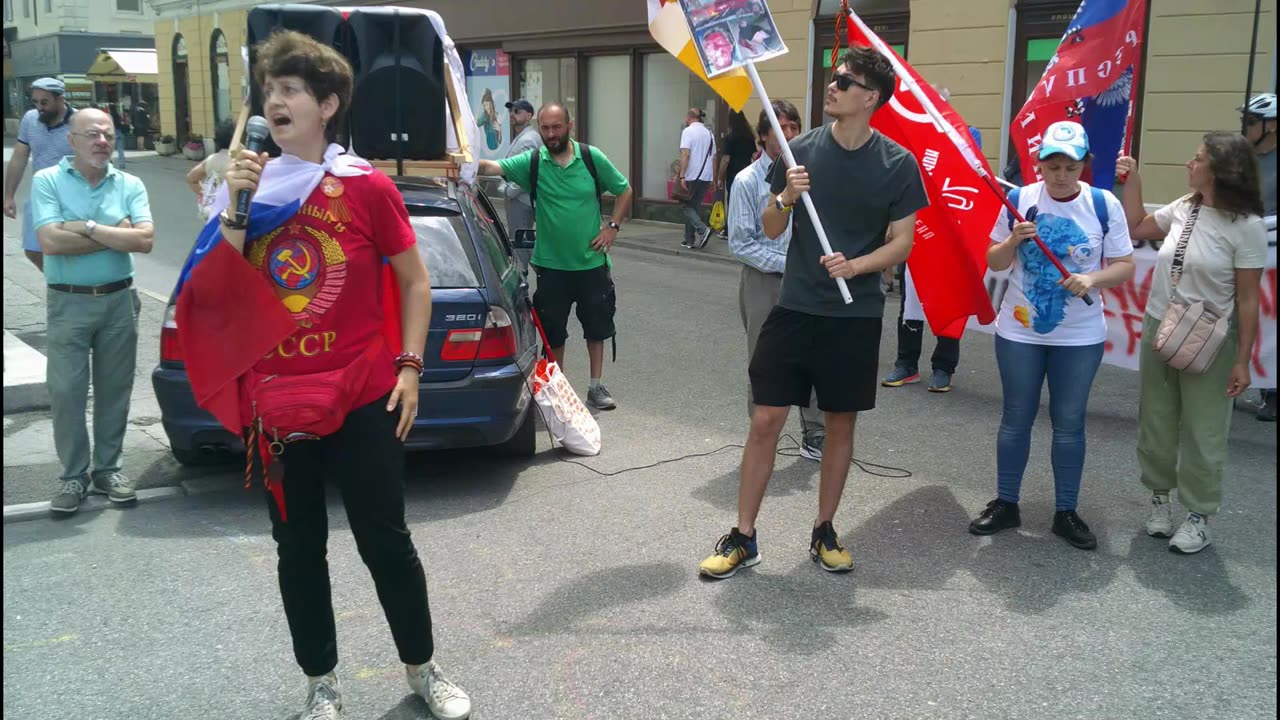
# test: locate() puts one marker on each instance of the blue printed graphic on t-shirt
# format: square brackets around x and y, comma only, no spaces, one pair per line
[1039,276]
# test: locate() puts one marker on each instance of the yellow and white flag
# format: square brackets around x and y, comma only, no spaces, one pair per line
[669,28]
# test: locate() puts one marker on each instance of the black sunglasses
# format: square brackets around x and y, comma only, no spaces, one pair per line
[844,81]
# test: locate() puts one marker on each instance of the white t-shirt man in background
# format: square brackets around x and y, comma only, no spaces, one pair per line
[697,150]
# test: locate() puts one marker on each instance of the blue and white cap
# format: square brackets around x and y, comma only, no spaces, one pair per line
[1066,138]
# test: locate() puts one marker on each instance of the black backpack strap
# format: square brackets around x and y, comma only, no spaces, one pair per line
[589,160]
[533,177]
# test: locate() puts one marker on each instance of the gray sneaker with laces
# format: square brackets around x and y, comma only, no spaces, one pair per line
[599,398]
[324,699]
[445,700]
[811,446]
[117,487]
[69,496]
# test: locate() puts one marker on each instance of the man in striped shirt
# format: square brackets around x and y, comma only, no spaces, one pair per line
[763,260]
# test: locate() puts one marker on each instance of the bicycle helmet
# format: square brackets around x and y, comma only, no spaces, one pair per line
[1263,105]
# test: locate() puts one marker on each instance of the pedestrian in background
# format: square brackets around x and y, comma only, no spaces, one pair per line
[524,138]
[90,218]
[738,149]
[571,256]
[1260,130]
[206,177]
[122,133]
[44,140]
[1044,331]
[764,259]
[697,147]
[1184,419]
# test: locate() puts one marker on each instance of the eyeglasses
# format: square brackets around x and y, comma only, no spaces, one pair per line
[844,81]
[95,134]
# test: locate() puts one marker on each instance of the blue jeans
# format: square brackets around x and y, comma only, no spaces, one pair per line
[1023,368]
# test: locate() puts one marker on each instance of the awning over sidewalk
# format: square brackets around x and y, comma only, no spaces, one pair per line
[124,65]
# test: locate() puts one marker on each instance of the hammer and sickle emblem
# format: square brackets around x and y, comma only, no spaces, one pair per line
[286,256]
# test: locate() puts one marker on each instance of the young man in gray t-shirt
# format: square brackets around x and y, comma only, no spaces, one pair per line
[863,185]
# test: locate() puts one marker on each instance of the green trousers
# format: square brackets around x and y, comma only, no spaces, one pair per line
[91,338]
[1183,424]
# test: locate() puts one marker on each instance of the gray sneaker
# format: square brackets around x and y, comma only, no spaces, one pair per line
[324,699]
[811,447]
[117,487]
[940,382]
[68,498]
[599,398]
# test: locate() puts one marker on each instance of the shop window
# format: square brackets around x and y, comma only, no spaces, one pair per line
[221,77]
[669,91]
[132,6]
[544,80]
[608,108]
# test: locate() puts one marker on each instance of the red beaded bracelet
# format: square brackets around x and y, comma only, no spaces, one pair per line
[410,359]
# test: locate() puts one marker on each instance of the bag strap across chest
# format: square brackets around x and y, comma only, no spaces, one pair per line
[1180,251]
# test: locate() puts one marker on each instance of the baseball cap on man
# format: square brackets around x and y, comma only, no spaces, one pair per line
[1065,138]
[48,84]
[521,104]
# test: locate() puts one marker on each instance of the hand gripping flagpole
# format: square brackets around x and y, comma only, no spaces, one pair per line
[978,166]
[791,162]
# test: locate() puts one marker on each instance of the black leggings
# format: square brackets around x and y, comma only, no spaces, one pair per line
[366,461]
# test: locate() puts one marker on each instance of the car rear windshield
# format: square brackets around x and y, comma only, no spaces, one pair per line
[446,248]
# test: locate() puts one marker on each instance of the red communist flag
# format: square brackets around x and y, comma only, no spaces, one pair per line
[949,261]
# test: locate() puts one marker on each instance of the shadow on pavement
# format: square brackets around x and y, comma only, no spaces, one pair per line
[790,477]
[1198,584]
[57,527]
[581,605]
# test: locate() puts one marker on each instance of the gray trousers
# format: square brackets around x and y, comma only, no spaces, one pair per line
[91,338]
[519,216]
[694,225]
[758,293]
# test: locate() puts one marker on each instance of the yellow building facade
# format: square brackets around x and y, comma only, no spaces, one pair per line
[987,53]
[200,68]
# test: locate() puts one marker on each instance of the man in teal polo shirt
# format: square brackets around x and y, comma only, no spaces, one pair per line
[571,256]
[89,219]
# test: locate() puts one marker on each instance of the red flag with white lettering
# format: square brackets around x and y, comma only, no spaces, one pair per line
[949,261]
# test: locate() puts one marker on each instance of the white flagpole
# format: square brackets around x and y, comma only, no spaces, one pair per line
[791,162]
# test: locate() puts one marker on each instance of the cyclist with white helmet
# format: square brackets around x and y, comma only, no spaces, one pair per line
[1260,130]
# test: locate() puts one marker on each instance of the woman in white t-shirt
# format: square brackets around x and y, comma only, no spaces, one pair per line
[1184,418]
[1044,328]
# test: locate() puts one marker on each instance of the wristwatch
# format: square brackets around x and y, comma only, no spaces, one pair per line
[614,225]
[90,226]
[777,202]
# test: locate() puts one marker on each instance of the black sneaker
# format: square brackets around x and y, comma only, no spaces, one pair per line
[1267,413]
[999,515]
[1068,525]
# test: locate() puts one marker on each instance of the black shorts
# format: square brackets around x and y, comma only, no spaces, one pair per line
[591,290]
[836,357]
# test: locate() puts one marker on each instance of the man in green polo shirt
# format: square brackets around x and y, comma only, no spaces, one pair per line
[571,256]
[89,218]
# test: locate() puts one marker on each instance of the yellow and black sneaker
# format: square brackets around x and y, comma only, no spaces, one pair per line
[733,551]
[826,550]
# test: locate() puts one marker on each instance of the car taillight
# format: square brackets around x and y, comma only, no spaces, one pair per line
[495,341]
[170,350]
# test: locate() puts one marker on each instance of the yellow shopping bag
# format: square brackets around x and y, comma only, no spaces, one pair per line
[717,216]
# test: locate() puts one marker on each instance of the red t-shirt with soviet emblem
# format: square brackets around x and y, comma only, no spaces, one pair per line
[325,265]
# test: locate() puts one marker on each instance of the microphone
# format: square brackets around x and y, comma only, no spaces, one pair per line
[256,134]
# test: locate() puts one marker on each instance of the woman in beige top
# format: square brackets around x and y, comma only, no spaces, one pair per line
[1184,418]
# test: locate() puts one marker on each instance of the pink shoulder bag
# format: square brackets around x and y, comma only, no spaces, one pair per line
[1191,333]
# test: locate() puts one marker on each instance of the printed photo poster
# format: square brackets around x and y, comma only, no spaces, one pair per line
[488,88]
[728,33]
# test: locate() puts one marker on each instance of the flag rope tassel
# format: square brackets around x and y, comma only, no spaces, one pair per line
[791,162]
[954,137]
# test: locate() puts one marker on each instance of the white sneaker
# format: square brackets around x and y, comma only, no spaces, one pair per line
[1160,523]
[1192,537]
[445,700]
[324,699]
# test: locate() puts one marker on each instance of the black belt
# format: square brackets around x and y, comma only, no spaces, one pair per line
[93,289]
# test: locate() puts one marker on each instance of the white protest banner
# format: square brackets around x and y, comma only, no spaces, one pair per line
[1124,307]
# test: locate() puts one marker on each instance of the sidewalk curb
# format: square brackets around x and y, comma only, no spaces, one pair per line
[39,510]
[28,390]
[659,250]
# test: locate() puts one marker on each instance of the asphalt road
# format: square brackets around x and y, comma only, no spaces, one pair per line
[559,593]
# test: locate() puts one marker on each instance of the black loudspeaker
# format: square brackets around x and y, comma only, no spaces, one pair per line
[398,108]
[325,24]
